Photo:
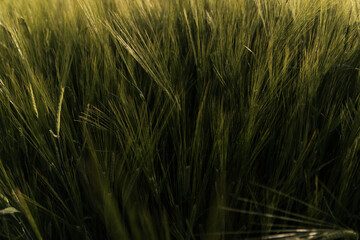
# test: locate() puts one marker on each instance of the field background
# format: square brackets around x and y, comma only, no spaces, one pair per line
[179,119]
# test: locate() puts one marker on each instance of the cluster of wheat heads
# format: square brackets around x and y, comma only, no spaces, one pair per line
[150,119]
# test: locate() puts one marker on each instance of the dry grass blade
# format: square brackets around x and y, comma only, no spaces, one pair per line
[8,210]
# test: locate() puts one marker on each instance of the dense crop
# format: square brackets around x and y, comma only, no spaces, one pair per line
[179,119]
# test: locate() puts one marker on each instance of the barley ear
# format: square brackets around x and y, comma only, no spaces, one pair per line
[59,112]
[33,101]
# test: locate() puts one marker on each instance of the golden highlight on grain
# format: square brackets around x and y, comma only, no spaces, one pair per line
[33,101]
[59,112]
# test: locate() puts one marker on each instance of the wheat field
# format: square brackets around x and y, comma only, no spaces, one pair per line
[179,119]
